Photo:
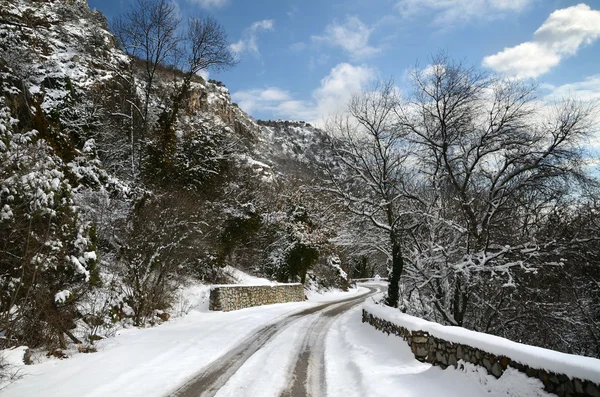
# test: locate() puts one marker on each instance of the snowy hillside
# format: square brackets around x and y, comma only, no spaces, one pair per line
[293,144]
[70,49]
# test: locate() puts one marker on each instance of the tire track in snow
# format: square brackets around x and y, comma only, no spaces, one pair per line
[212,378]
[309,372]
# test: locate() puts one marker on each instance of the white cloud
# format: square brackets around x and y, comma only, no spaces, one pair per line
[266,24]
[587,90]
[339,85]
[454,11]
[567,29]
[315,61]
[332,95]
[248,42]
[529,59]
[204,74]
[258,99]
[209,3]
[292,12]
[352,36]
[560,36]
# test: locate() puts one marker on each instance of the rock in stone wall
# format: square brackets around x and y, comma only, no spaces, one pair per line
[235,297]
[436,351]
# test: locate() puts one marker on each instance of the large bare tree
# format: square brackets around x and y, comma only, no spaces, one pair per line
[203,46]
[370,169]
[491,163]
[149,32]
[462,174]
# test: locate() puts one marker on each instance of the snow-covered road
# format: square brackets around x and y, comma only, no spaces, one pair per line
[318,348]
[328,351]
[285,357]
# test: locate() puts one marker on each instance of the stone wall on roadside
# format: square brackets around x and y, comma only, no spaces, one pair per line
[235,297]
[442,353]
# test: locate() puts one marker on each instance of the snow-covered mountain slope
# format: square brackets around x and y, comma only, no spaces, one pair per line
[293,146]
[59,48]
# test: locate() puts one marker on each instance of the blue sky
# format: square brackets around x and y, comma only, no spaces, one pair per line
[303,59]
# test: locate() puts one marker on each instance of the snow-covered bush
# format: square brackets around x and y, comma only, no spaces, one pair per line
[49,254]
[298,241]
[328,273]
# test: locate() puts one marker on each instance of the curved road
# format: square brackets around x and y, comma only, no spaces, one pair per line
[305,377]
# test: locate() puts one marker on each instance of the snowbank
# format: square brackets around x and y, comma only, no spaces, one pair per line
[14,355]
[573,366]
[361,361]
[242,278]
[334,294]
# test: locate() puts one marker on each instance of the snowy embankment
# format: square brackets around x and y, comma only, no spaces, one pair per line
[573,366]
[362,361]
[154,361]
[241,278]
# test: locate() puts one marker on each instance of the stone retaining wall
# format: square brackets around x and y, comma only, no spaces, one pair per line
[235,297]
[436,351]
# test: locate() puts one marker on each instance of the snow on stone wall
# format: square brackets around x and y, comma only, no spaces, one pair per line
[562,374]
[235,297]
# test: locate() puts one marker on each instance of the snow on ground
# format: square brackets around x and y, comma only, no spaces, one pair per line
[361,361]
[334,295]
[191,296]
[194,296]
[139,362]
[536,357]
[243,278]
[14,355]
[154,361]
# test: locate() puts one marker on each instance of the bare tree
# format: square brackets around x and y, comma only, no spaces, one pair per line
[207,46]
[462,175]
[204,46]
[149,32]
[490,162]
[371,156]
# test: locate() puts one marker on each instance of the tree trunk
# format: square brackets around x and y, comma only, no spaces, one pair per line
[61,340]
[394,278]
